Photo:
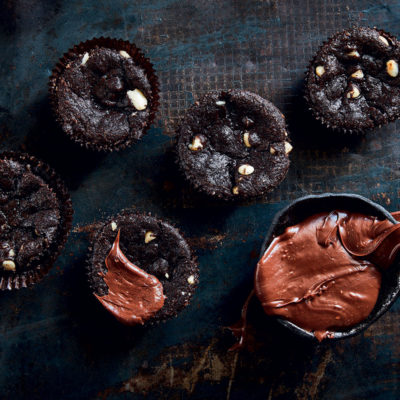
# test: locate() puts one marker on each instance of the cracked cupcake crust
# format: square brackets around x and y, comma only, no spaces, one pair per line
[104,93]
[154,246]
[35,218]
[353,84]
[233,145]
[29,215]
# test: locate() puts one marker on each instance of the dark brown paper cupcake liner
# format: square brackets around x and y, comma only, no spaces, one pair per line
[30,277]
[98,227]
[116,44]
[319,117]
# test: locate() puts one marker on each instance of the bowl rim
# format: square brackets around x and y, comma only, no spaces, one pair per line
[363,325]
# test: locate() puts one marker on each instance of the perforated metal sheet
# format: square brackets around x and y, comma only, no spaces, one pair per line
[55,340]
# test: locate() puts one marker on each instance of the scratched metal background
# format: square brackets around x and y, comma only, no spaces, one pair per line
[55,340]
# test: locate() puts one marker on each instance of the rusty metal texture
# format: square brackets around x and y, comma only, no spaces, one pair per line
[56,342]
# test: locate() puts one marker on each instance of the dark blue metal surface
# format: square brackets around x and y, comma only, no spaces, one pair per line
[55,340]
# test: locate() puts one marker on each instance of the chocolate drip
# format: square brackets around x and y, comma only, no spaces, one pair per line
[134,296]
[239,329]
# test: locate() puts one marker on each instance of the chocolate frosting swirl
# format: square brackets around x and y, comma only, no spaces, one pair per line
[134,296]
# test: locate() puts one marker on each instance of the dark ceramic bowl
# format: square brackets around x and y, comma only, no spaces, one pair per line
[304,207]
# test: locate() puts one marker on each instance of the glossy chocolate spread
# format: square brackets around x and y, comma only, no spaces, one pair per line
[133,296]
[323,274]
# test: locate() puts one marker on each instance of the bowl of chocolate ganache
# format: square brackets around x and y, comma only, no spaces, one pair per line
[373,292]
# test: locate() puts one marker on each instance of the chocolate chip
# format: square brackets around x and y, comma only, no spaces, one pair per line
[159,268]
[247,122]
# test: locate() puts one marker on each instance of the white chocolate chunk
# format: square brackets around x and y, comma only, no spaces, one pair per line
[246,169]
[9,265]
[85,58]
[191,280]
[354,53]
[384,40]
[392,68]
[288,147]
[11,253]
[149,236]
[246,141]
[137,99]
[196,144]
[353,93]
[113,226]
[167,275]
[272,150]
[358,74]
[235,190]
[320,70]
[220,103]
[124,54]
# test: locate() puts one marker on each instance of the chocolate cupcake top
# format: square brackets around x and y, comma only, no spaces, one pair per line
[134,251]
[353,82]
[233,145]
[35,217]
[104,96]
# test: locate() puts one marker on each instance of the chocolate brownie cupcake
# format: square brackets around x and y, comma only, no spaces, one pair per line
[233,145]
[141,269]
[353,82]
[104,93]
[35,219]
